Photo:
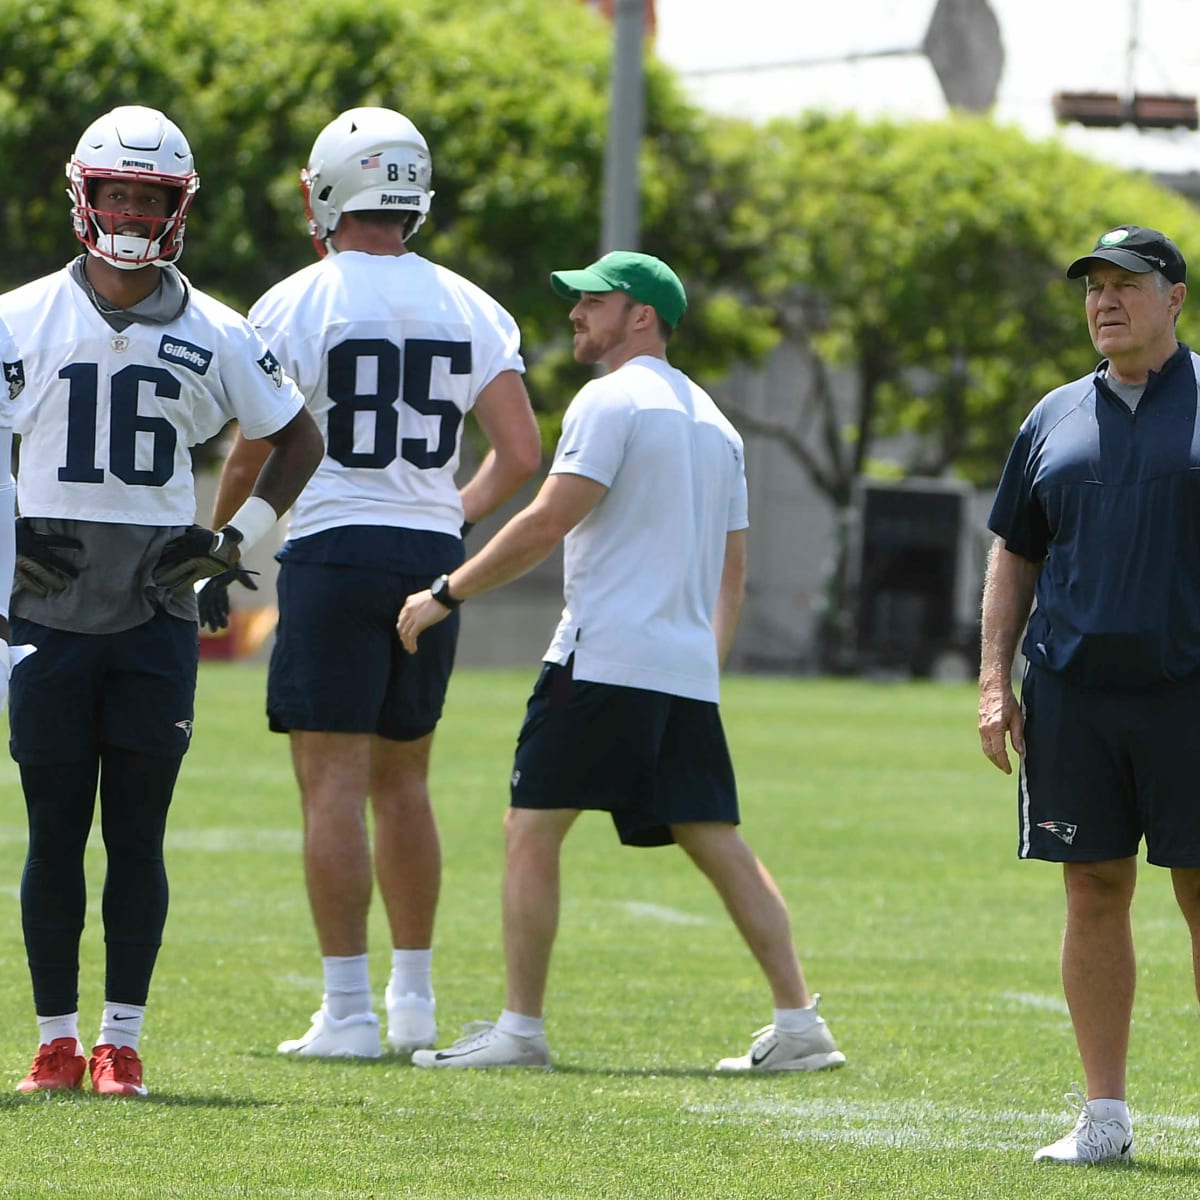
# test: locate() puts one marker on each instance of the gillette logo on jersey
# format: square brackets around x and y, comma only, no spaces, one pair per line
[196,358]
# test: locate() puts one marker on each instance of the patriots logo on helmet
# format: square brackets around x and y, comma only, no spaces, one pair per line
[14,376]
[271,367]
[1061,829]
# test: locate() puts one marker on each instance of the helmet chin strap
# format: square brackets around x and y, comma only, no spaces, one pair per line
[127,253]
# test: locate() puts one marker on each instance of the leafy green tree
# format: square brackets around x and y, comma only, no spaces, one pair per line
[512,96]
[926,262]
[928,259]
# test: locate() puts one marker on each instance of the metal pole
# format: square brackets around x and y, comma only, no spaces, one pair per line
[1132,52]
[621,227]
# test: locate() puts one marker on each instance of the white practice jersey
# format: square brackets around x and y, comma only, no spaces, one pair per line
[12,383]
[391,352]
[107,419]
[642,570]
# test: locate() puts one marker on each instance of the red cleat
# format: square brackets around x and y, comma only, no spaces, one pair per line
[57,1064]
[116,1071]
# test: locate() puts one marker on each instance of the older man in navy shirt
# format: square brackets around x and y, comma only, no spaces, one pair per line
[1097,516]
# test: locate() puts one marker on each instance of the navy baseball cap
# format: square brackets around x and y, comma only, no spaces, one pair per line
[1135,249]
[646,279]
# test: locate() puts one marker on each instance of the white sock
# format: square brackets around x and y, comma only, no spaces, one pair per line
[121,1024]
[412,973]
[66,1025]
[1110,1110]
[347,985]
[520,1026]
[795,1020]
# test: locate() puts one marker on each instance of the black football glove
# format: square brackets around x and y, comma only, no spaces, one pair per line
[213,597]
[196,554]
[40,570]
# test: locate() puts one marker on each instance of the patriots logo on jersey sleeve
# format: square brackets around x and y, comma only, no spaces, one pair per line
[14,376]
[271,367]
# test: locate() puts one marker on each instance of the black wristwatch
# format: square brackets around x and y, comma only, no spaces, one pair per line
[439,589]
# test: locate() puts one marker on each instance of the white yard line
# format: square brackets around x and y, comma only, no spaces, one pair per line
[662,914]
[919,1124]
[1055,1004]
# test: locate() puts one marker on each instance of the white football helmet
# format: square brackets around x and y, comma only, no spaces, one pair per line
[139,145]
[366,158]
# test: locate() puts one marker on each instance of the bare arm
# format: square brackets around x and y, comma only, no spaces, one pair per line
[528,538]
[732,593]
[506,418]
[1007,598]
[274,468]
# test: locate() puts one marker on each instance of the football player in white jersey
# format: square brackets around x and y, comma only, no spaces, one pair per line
[125,366]
[649,491]
[391,352]
[12,381]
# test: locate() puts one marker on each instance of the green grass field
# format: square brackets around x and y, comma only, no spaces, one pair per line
[893,839]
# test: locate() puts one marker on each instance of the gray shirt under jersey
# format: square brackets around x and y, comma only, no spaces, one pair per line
[1130,393]
[114,590]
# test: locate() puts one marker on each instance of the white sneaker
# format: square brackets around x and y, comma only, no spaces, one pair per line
[411,1023]
[487,1046]
[777,1050]
[355,1036]
[1091,1141]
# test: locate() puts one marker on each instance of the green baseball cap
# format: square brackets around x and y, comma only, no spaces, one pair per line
[646,279]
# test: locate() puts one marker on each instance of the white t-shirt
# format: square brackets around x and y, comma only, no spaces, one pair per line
[643,569]
[106,419]
[391,352]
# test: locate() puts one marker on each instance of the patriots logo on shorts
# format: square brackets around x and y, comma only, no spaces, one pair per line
[14,376]
[271,367]
[186,726]
[1060,829]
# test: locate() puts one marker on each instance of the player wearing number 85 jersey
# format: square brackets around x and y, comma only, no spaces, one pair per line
[391,352]
[124,367]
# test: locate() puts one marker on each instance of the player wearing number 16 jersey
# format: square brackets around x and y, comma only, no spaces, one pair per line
[391,352]
[124,366]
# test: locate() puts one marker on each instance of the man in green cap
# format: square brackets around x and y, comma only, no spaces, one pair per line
[649,490]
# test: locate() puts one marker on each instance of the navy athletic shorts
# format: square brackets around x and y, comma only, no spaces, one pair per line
[133,690]
[648,759]
[1103,769]
[337,665]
